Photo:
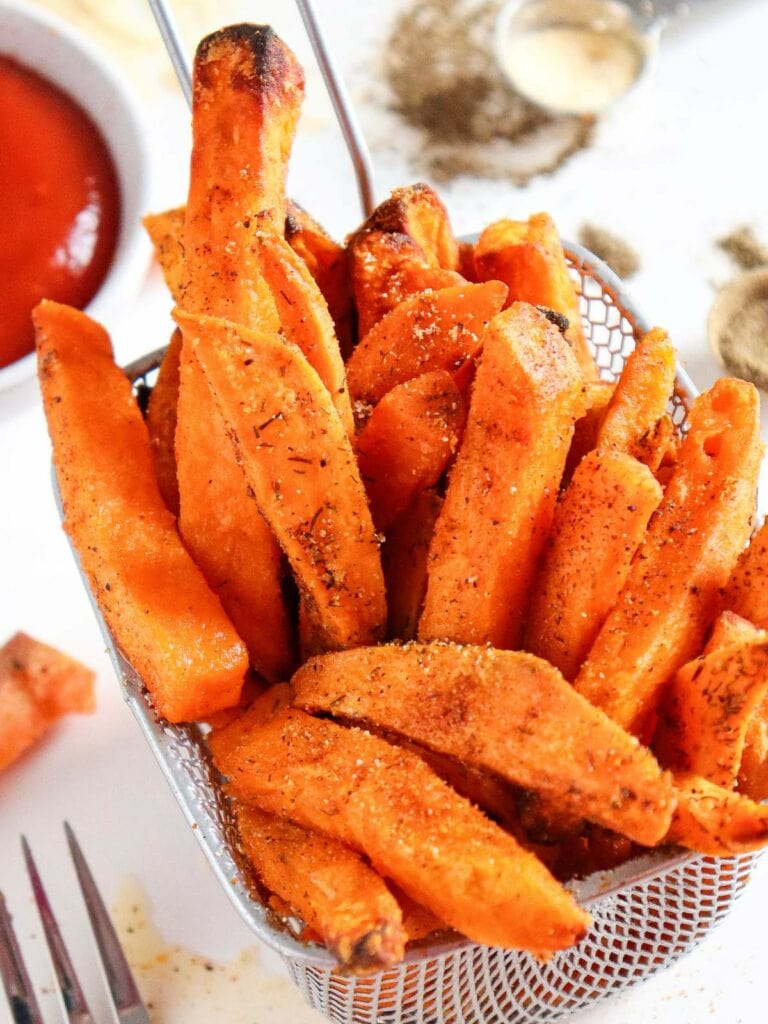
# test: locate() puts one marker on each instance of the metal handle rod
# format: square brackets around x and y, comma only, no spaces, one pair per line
[170,34]
[342,105]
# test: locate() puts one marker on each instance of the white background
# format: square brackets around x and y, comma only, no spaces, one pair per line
[681,162]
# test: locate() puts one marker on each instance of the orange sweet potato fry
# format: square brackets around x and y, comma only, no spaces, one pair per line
[166,620]
[326,261]
[716,821]
[387,268]
[599,523]
[224,531]
[304,316]
[38,686]
[386,803]
[528,257]
[161,423]
[404,559]
[505,712]
[248,88]
[707,709]
[730,628]
[408,441]
[502,489]
[298,462]
[329,886]
[597,395]
[747,590]
[640,398]
[166,232]
[418,212]
[673,590]
[430,331]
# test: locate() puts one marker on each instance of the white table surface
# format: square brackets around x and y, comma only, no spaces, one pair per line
[683,161]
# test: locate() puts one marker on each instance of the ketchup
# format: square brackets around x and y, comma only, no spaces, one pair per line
[59,204]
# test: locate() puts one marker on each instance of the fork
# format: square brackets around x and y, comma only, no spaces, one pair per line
[126,999]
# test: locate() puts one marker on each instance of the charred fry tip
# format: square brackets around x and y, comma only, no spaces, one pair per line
[270,66]
[380,947]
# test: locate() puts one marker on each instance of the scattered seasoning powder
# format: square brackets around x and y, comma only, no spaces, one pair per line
[613,250]
[746,251]
[441,70]
[743,343]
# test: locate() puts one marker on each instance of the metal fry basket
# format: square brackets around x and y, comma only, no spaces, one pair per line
[647,913]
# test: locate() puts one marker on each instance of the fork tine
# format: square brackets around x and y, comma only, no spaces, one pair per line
[75,1004]
[125,995]
[18,988]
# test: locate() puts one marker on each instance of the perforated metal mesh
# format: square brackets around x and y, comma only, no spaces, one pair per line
[646,914]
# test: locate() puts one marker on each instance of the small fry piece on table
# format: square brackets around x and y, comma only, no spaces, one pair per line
[437,330]
[166,232]
[528,257]
[38,686]
[168,623]
[747,590]
[304,316]
[506,712]
[716,821]
[599,523]
[673,590]
[388,804]
[329,886]
[386,269]
[503,486]
[418,212]
[298,462]
[640,397]
[326,261]
[404,558]
[224,531]
[707,709]
[408,441]
[597,395]
[161,423]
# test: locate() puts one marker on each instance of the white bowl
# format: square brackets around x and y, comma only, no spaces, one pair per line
[50,47]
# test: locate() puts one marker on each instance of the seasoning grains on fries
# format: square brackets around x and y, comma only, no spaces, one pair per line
[540,735]
[711,819]
[503,486]
[167,621]
[385,802]
[673,589]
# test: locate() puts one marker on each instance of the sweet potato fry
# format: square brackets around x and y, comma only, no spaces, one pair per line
[168,623]
[304,316]
[672,593]
[161,423]
[599,523]
[224,531]
[713,820]
[386,269]
[408,441]
[640,397]
[597,395]
[404,559]
[248,88]
[299,464]
[437,330]
[329,886]
[166,232]
[501,711]
[747,590]
[730,628]
[386,803]
[418,212]
[503,486]
[528,257]
[707,709]
[418,920]
[659,448]
[326,261]
[38,686]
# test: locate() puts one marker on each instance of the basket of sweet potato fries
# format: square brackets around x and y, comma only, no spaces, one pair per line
[429,580]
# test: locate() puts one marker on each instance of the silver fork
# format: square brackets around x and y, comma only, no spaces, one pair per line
[126,1000]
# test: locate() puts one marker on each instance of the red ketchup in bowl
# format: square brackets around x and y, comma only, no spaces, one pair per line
[59,204]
